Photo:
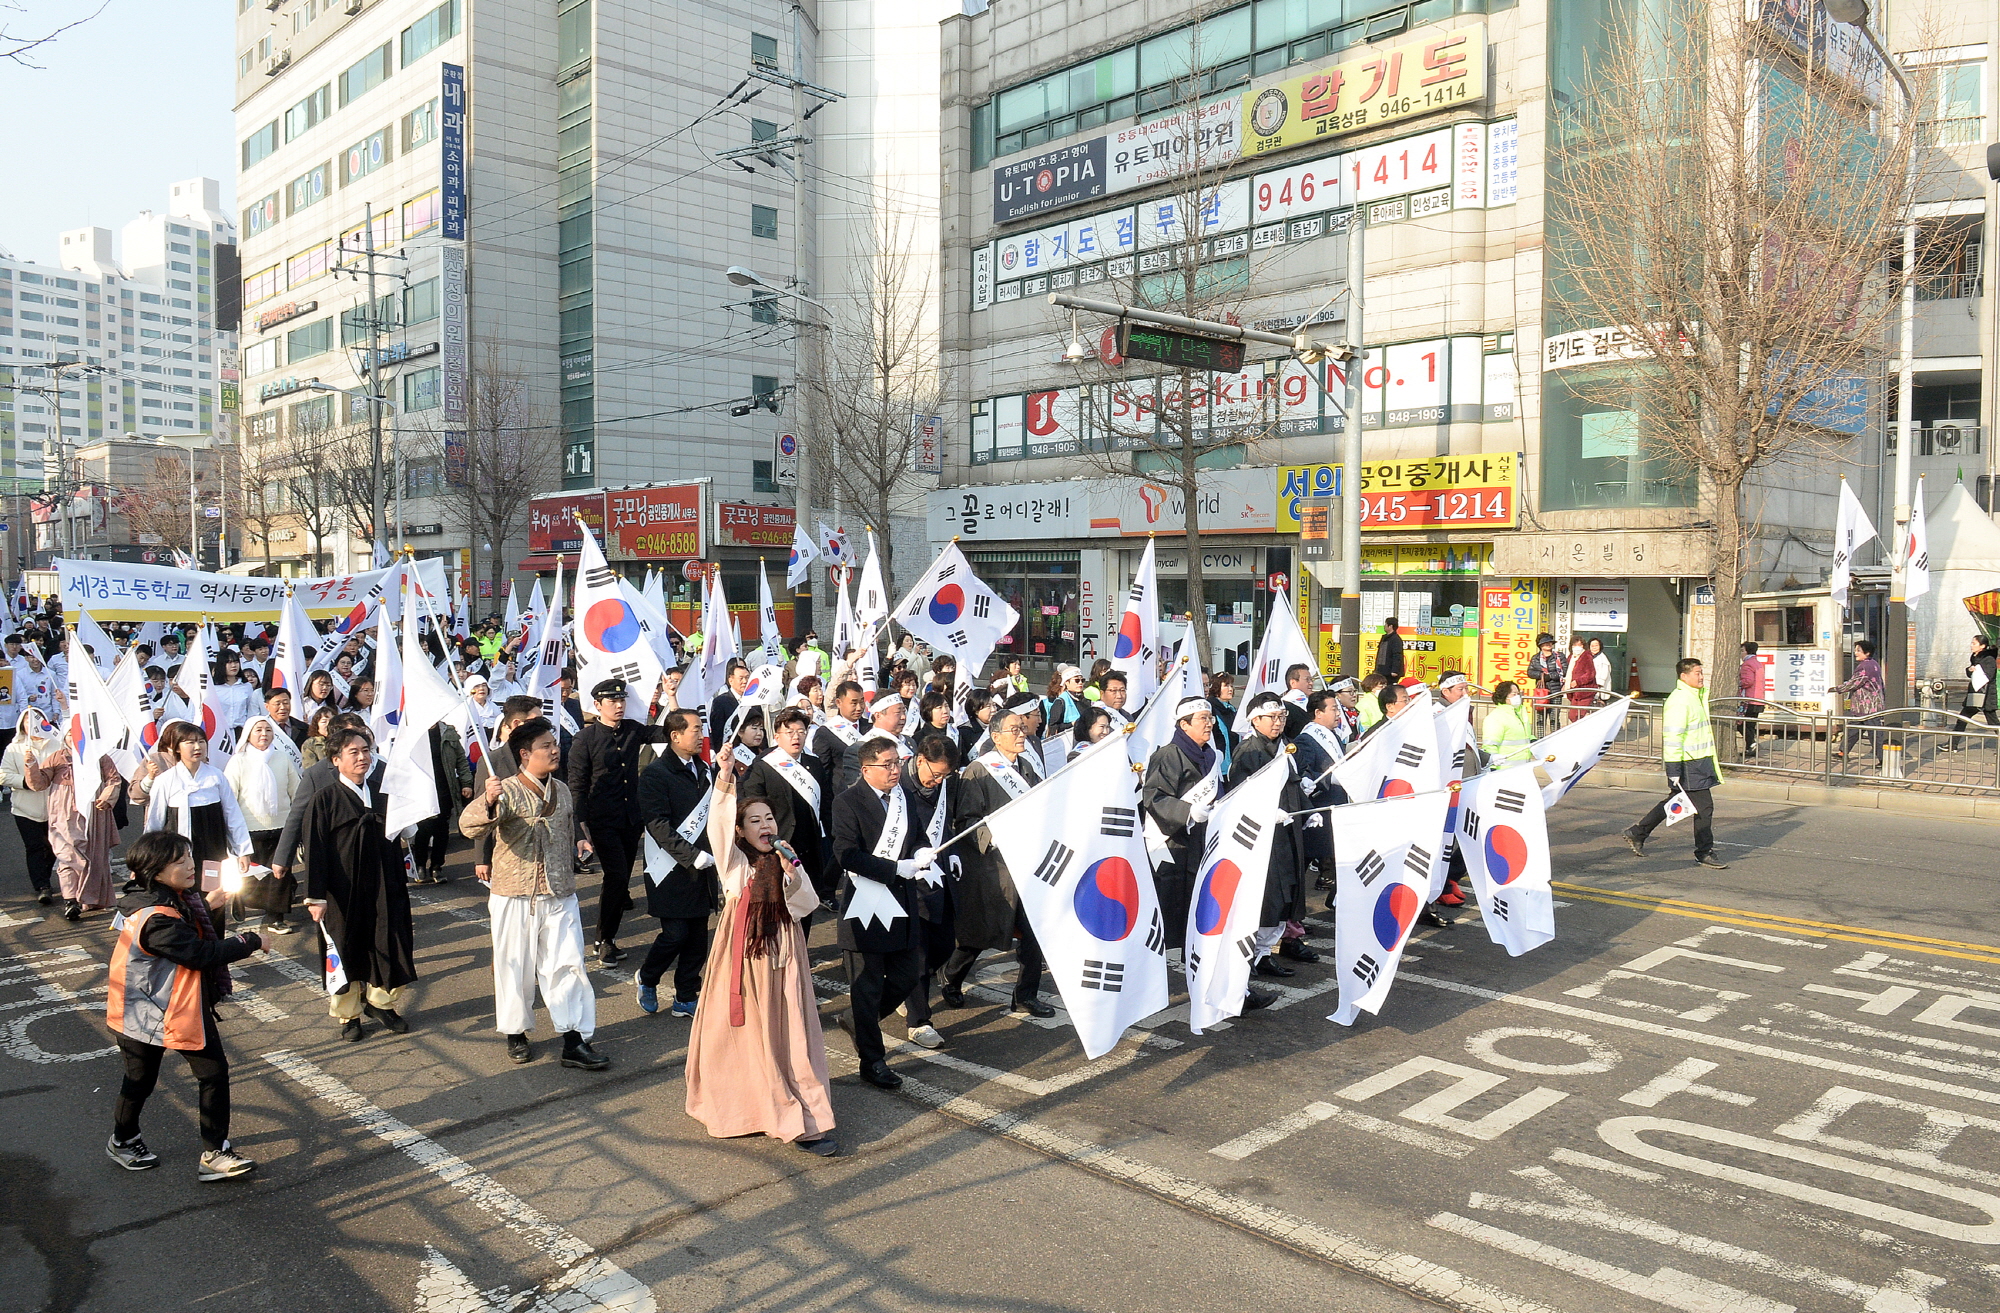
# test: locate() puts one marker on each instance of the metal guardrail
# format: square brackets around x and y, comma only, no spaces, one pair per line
[1918,749]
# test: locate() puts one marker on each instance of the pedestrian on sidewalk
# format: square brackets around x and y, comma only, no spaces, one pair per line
[168,971]
[1865,694]
[532,908]
[1979,688]
[1749,680]
[1691,764]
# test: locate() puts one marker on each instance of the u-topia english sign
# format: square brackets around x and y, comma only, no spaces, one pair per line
[1049,181]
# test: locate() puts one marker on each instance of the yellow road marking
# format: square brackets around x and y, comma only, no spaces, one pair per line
[1738,916]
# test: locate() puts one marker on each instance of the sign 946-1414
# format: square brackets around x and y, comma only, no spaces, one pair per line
[1186,350]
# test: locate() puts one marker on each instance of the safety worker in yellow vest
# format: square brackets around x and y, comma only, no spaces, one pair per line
[167,973]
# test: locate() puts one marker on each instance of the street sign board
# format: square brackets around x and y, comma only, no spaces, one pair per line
[1186,350]
[785,461]
[1315,527]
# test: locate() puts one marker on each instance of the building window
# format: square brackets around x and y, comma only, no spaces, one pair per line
[308,189]
[572,34]
[364,76]
[420,302]
[760,477]
[422,390]
[764,390]
[421,214]
[424,478]
[764,221]
[261,217]
[1957,104]
[420,125]
[429,32]
[260,358]
[763,308]
[259,144]
[245,62]
[261,286]
[355,241]
[315,339]
[365,156]
[308,264]
[306,115]
[1597,454]
[763,50]
[760,130]
[356,325]
[314,416]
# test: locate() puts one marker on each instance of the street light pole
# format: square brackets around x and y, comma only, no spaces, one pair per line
[802,494]
[1350,454]
[1896,676]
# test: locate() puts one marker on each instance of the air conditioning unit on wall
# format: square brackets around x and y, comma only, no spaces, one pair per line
[276,63]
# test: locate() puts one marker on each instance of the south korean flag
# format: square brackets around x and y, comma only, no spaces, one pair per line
[954,612]
[1503,832]
[1383,850]
[609,641]
[1229,895]
[1399,759]
[1567,755]
[1077,855]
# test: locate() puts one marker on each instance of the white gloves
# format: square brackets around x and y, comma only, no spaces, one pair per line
[907,868]
[924,856]
[1197,814]
[704,861]
[1284,819]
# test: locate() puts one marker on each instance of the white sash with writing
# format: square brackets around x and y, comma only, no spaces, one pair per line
[1010,779]
[796,775]
[1323,736]
[844,730]
[872,900]
[902,744]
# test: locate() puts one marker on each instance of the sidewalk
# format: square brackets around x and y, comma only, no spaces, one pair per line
[1902,802]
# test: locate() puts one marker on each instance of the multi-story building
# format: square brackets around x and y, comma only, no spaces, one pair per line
[135,340]
[576,213]
[1498,500]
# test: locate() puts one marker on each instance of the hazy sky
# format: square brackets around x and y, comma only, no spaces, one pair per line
[131,102]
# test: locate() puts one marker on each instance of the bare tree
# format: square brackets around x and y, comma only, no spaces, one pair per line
[313,466]
[867,389]
[511,452]
[20,49]
[258,496]
[158,506]
[1728,214]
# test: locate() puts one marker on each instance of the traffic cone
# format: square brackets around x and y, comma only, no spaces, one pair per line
[1633,684]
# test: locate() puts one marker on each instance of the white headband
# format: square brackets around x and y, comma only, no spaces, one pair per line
[1191,707]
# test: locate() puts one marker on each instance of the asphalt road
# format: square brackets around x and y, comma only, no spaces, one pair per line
[1770,1087]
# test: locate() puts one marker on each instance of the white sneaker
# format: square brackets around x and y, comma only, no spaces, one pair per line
[221,1164]
[927,1037]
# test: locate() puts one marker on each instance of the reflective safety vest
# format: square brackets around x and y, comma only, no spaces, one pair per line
[153,1000]
[1508,739]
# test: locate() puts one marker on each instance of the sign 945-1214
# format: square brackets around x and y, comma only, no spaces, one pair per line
[1470,508]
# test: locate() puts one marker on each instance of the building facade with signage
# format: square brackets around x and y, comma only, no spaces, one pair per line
[1491,498]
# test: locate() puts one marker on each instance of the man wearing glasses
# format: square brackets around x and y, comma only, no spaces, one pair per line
[886,862]
[355,889]
[987,906]
[604,785]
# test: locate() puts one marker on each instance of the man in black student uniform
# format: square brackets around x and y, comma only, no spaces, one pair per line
[884,952]
[603,769]
[681,885]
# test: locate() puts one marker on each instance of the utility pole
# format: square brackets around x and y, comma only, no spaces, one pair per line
[378,510]
[1350,458]
[802,495]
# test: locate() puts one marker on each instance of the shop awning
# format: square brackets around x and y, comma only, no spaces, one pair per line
[545,562]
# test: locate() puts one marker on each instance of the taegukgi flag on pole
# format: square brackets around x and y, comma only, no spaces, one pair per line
[1383,850]
[1136,649]
[833,546]
[1453,723]
[1568,754]
[1228,901]
[387,716]
[803,555]
[1282,647]
[1503,832]
[1078,858]
[1155,726]
[291,650]
[1851,529]
[871,595]
[544,665]
[1678,808]
[953,611]
[610,641]
[1917,551]
[769,640]
[1398,758]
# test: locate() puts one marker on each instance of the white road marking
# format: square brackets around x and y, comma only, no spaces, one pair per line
[14,1041]
[9,919]
[1706,1012]
[1680,1079]
[1468,1083]
[1627,1134]
[1485,1047]
[39,956]
[589,1280]
[1941,1127]
[1117,1058]
[1314,1113]
[1668,1286]
[243,996]
[1907,1290]
[1903,1079]
[1404,1271]
[1874,1005]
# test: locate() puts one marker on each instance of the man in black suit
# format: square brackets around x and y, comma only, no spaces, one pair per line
[603,768]
[681,885]
[735,678]
[884,860]
[796,786]
[320,775]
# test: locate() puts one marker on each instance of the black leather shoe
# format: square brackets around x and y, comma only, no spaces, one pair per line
[1258,999]
[1637,840]
[351,1031]
[1431,916]
[518,1050]
[45,897]
[388,1017]
[1712,862]
[1270,967]
[578,1053]
[825,1146]
[879,1075]
[1296,950]
[608,952]
[1034,1007]
[952,996]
